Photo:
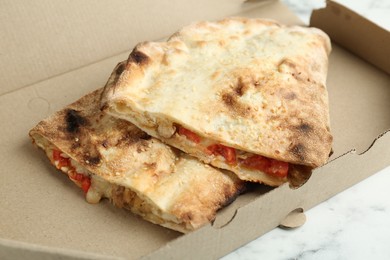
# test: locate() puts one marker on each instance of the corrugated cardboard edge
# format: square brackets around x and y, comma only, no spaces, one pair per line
[355,33]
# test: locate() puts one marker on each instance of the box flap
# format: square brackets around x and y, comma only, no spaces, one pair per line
[359,96]
[44,39]
[355,33]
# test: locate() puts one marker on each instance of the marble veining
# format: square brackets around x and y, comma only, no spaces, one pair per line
[354,224]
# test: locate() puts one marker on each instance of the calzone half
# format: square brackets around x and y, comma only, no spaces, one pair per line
[247,95]
[111,158]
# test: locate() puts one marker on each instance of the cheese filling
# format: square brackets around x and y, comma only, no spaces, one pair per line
[247,166]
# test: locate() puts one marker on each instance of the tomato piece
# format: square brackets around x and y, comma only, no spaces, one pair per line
[56,155]
[256,162]
[228,153]
[188,134]
[62,162]
[278,168]
[84,181]
[78,177]
[269,166]
[86,184]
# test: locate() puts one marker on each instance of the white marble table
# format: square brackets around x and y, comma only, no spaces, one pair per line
[354,224]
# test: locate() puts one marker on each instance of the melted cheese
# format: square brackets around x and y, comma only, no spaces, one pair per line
[99,189]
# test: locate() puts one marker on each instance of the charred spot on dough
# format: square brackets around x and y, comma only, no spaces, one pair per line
[138,57]
[304,128]
[92,160]
[101,116]
[74,121]
[121,67]
[145,136]
[230,193]
[118,71]
[298,175]
[228,99]
[88,148]
[75,144]
[128,137]
[240,87]
[105,143]
[229,198]
[104,107]
[299,151]
[231,102]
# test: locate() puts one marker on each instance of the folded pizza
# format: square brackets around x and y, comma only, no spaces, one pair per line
[247,95]
[111,158]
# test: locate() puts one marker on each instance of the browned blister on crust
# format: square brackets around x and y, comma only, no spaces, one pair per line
[133,169]
[251,84]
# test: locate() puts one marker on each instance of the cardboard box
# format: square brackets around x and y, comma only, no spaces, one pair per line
[53,53]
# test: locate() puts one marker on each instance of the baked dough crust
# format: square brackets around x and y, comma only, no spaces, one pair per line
[251,84]
[158,182]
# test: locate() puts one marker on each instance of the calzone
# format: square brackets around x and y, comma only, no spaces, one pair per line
[111,158]
[247,95]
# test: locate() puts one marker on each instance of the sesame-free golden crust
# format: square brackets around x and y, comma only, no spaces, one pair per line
[252,84]
[131,160]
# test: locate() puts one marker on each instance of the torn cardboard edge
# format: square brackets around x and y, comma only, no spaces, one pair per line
[346,28]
